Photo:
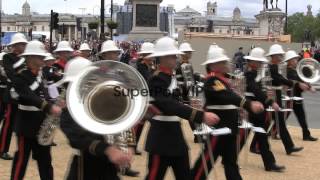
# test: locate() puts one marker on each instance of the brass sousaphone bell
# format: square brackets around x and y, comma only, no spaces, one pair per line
[99,98]
[309,70]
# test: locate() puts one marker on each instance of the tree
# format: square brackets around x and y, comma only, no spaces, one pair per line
[112,25]
[299,25]
[93,25]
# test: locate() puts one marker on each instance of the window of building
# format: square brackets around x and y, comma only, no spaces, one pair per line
[228,31]
[220,31]
[8,28]
[238,32]
[42,28]
[34,28]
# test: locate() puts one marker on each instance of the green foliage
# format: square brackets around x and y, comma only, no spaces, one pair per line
[93,25]
[112,24]
[299,23]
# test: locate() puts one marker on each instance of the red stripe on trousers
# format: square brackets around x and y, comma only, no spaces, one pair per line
[207,156]
[20,158]
[154,167]
[5,128]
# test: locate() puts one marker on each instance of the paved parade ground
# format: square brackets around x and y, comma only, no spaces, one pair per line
[300,166]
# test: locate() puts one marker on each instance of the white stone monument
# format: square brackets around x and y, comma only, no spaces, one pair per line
[271,22]
[146,20]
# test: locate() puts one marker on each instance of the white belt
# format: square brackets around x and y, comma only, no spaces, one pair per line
[167,118]
[249,94]
[276,87]
[75,151]
[3,86]
[28,108]
[222,107]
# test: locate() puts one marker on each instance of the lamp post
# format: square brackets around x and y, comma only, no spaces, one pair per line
[82,28]
[286,23]
[102,20]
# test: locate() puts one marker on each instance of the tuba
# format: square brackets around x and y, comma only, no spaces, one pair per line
[108,98]
[309,70]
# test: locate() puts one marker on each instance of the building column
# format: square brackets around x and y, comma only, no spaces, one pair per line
[69,33]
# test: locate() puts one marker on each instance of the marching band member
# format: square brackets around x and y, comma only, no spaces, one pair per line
[94,158]
[144,65]
[49,71]
[222,100]
[255,93]
[185,76]
[292,58]
[3,87]
[185,82]
[165,130]
[110,51]
[64,52]
[278,81]
[85,50]
[32,110]
[12,64]
[145,68]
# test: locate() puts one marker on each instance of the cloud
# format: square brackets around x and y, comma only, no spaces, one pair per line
[249,8]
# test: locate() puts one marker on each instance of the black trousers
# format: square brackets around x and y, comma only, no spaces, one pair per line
[225,146]
[158,165]
[42,154]
[280,122]
[2,109]
[261,140]
[7,127]
[298,109]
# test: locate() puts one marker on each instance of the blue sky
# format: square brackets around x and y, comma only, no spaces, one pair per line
[225,7]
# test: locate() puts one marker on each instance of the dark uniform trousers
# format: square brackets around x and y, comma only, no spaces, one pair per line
[298,107]
[31,112]
[165,142]
[219,94]
[40,153]
[225,146]
[260,140]
[12,64]
[279,80]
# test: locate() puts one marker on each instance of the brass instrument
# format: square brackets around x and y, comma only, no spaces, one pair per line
[309,70]
[100,98]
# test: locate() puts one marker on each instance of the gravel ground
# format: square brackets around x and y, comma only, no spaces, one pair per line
[303,165]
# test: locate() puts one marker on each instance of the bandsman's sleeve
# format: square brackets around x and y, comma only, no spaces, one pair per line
[80,138]
[217,90]
[169,105]
[253,87]
[27,96]
[279,78]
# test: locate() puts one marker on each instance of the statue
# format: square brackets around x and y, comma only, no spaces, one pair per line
[271,2]
[265,4]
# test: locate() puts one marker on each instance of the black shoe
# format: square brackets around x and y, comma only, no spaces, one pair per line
[138,153]
[276,168]
[6,156]
[255,151]
[131,173]
[294,149]
[310,138]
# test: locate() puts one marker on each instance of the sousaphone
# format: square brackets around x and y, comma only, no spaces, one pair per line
[99,98]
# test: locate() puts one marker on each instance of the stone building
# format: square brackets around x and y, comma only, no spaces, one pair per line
[40,24]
